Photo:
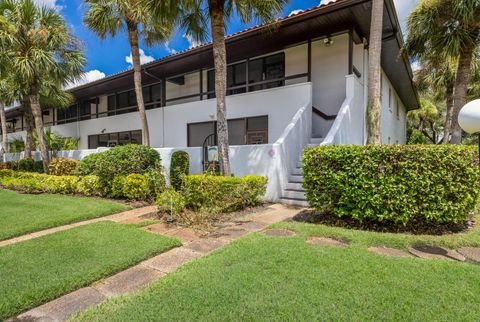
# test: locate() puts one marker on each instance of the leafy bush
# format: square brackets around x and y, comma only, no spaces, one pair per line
[87,165]
[59,184]
[136,187]
[27,165]
[117,187]
[171,202]
[90,186]
[393,184]
[217,194]
[5,165]
[156,181]
[62,166]
[179,167]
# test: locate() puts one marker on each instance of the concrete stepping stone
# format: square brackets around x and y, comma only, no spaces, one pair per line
[252,226]
[64,307]
[229,233]
[206,245]
[387,251]
[171,260]
[279,233]
[127,281]
[160,228]
[472,253]
[326,241]
[133,221]
[433,252]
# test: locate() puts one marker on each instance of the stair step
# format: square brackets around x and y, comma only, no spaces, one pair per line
[294,194]
[295,178]
[295,186]
[297,171]
[299,164]
[316,141]
[294,202]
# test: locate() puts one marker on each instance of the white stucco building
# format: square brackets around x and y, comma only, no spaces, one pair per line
[302,82]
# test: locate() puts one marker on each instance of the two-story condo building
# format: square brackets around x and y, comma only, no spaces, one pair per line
[302,82]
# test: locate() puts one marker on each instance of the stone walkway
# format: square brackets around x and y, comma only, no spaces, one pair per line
[196,245]
[120,217]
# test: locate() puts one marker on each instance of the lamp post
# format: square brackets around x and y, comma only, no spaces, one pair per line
[469,119]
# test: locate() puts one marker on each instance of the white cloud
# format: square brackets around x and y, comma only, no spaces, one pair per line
[192,42]
[49,3]
[90,76]
[143,58]
[294,12]
[326,1]
[170,50]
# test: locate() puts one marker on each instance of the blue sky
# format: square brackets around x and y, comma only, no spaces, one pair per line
[109,56]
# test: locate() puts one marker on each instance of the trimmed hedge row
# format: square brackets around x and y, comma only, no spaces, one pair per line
[393,184]
[209,195]
[24,165]
[132,187]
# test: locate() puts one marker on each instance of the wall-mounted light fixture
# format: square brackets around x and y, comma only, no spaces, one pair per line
[328,41]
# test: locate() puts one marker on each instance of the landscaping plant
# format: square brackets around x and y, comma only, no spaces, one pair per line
[62,166]
[179,167]
[393,184]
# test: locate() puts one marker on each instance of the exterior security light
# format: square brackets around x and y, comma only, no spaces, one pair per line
[469,119]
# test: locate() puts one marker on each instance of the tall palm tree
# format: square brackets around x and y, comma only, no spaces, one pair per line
[449,29]
[219,11]
[109,17]
[374,104]
[41,48]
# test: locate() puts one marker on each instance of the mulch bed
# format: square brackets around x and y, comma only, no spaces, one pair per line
[416,227]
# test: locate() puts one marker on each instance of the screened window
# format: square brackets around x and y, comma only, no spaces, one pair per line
[114,139]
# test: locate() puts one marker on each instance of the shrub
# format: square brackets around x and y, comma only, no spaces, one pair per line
[136,187]
[25,184]
[121,160]
[179,167]
[90,186]
[87,165]
[59,184]
[117,187]
[393,184]
[171,202]
[5,165]
[156,181]
[217,194]
[62,166]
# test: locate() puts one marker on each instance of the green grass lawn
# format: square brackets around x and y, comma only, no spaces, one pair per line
[22,213]
[38,270]
[284,279]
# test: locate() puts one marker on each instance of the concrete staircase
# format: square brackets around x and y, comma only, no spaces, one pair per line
[294,193]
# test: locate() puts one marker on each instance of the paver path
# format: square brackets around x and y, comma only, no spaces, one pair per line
[195,246]
[120,217]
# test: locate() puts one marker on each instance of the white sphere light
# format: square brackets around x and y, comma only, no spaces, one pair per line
[469,117]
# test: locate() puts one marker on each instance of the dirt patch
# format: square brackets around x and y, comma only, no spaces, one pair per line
[416,227]
[326,241]
[387,251]
[279,233]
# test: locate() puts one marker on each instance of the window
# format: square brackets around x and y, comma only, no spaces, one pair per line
[126,102]
[114,139]
[259,70]
[67,115]
[250,130]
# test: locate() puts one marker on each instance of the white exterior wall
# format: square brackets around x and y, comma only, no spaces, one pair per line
[393,121]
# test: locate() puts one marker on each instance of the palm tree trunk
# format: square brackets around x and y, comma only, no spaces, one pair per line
[374,104]
[220,62]
[3,120]
[137,79]
[29,126]
[37,116]
[461,88]
[448,118]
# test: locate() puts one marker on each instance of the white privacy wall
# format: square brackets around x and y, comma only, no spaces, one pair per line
[394,115]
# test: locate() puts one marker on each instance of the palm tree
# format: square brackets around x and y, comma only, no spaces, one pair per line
[41,48]
[108,17]
[448,29]
[374,104]
[7,97]
[219,11]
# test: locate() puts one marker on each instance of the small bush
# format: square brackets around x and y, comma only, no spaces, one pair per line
[136,187]
[218,194]
[62,166]
[393,184]
[90,186]
[5,165]
[59,184]
[87,165]
[179,168]
[171,202]
[27,165]
[156,181]
[117,187]
[24,184]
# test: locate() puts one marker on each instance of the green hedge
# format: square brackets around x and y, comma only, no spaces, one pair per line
[62,166]
[23,165]
[393,184]
[179,167]
[218,194]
